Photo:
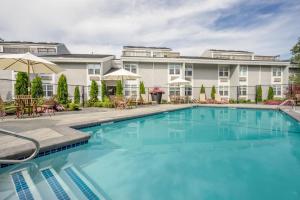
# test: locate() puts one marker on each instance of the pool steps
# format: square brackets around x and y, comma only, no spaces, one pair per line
[58,185]
[24,186]
[81,183]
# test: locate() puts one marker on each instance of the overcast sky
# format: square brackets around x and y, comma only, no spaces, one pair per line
[189,26]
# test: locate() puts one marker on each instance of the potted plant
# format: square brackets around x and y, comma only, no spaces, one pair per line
[156,94]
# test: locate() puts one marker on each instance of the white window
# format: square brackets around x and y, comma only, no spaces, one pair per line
[174,91]
[130,90]
[243,91]
[243,71]
[223,91]
[188,70]
[94,69]
[48,90]
[131,67]
[277,90]
[174,69]
[224,71]
[188,91]
[276,71]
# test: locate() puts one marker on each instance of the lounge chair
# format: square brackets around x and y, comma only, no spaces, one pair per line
[202,98]
[145,100]
[219,100]
[49,106]
[297,98]
[2,109]
[119,102]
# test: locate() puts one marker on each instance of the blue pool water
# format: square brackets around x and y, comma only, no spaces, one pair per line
[198,153]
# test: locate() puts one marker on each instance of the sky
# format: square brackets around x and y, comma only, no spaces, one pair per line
[269,27]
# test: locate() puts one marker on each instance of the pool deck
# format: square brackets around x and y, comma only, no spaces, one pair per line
[56,131]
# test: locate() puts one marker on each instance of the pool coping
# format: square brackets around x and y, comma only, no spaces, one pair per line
[80,138]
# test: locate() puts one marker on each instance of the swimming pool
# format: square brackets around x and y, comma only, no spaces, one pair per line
[197,153]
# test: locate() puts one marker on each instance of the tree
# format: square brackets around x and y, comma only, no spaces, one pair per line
[213,92]
[270,93]
[62,90]
[76,95]
[103,90]
[202,90]
[119,88]
[94,91]
[21,86]
[37,87]
[142,88]
[258,93]
[296,53]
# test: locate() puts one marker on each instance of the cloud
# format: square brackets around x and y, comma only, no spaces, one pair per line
[188,26]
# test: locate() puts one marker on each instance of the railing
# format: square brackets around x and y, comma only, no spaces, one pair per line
[35,142]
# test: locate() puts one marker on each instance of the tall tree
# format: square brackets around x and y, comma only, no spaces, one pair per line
[77,95]
[259,93]
[103,90]
[94,91]
[202,90]
[213,92]
[296,53]
[119,88]
[21,86]
[142,88]
[62,90]
[37,87]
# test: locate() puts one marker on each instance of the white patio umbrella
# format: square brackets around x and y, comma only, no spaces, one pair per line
[27,63]
[179,81]
[121,74]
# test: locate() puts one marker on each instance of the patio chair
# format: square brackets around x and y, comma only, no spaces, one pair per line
[2,109]
[49,106]
[202,98]
[219,100]
[119,102]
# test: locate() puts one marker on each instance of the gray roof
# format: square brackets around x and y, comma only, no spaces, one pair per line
[226,50]
[208,58]
[144,47]
[29,42]
[79,55]
[111,70]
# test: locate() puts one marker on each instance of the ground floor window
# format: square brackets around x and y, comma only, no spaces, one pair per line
[188,91]
[130,90]
[48,90]
[223,91]
[174,91]
[243,90]
[277,90]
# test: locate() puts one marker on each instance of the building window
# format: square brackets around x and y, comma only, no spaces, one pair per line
[276,71]
[131,67]
[188,91]
[243,71]
[243,90]
[224,71]
[277,90]
[174,91]
[223,91]
[174,69]
[188,70]
[48,90]
[94,69]
[130,90]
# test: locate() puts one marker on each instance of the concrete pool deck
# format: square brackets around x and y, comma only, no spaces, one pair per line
[56,131]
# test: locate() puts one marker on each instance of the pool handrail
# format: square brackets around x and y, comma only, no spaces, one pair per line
[35,142]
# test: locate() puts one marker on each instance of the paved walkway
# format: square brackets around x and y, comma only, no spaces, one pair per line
[55,130]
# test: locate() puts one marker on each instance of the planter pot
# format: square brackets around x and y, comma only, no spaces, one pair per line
[156,97]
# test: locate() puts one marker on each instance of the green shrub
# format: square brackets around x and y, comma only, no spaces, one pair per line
[98,104]
[106,103]
[270,93]
[258,94]
[21,86]
[77,95]
[37,87]
[103,89]
[73,106]
[62,90]
[202,90]
[213,92]
[94,91]
[119,88]
[142,88]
